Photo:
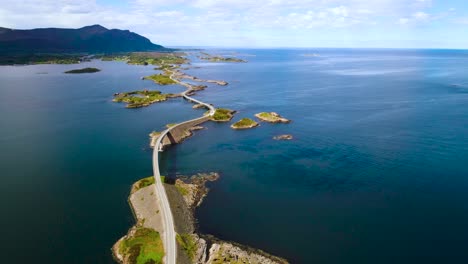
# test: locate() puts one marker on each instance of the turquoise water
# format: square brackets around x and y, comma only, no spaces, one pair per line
[376,172]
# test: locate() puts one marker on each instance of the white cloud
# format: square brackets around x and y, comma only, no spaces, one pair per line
[204,22]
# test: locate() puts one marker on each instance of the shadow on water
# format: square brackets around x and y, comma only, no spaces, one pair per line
[170,155]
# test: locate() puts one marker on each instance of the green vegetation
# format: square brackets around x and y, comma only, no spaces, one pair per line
[182,190]
[143,247]
[84,70]
[188,244]
[155,134]
[222,115]
[137,99]
[272,117]
[212,58]
[171,125]
[113,58]
[145,182]
[148,58]
[7,59]
[244,123]
[164,67]
[161,79]
[156,58]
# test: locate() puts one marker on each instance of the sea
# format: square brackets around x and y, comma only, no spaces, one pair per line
[376,172]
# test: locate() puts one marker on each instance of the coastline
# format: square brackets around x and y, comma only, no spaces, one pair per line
[206,249]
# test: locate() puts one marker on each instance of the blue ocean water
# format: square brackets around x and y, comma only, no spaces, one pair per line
[375,174]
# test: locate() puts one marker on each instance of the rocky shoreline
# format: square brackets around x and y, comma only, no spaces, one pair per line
[272,117]
[185,195]
[207,249]
[283,137]
[244,123]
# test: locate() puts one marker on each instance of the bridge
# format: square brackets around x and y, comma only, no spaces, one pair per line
[168,235]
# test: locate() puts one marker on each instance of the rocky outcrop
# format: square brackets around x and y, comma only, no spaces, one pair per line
[272,117]
[244,123]
[225,252]
[210,250]
[283,137]
[193,189]
[207,249]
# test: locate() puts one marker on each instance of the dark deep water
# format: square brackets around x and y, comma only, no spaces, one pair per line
[376,172]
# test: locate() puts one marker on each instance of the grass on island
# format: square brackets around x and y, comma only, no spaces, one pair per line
[213,58]
[245,123]
[144,247]
[164,67]
[182,190]
[155,134]
[145,182]
[171,125]
[40,59]
[137,99]
[272,117]
[148,58]
[161,79]
[84,70]
[188,244]
[222,114]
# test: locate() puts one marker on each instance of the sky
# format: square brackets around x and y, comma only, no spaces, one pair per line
[259,23]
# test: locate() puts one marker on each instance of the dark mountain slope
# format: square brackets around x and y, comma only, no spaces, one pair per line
[90,39]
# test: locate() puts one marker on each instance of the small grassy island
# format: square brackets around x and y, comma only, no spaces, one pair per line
[223,115]
[143,98]
[84,70]
[272,117]
[161,79]
[244,123]
[217,58]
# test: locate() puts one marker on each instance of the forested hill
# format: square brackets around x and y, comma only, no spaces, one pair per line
[90,39]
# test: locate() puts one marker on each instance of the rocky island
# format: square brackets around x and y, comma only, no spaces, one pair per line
[217,58]
[272,117]
[161,79]
[244,123]
[283,137]
[143,98]
[223,115]
[84,70]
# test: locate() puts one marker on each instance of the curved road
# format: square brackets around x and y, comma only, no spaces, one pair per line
[169,234]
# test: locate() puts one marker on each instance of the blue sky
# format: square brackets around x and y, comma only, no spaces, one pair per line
[261,23]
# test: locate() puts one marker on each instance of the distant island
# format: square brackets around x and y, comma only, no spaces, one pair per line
[215,58]
[84,70]
[63,45]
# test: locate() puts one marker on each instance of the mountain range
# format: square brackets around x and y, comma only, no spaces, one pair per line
[89,39]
